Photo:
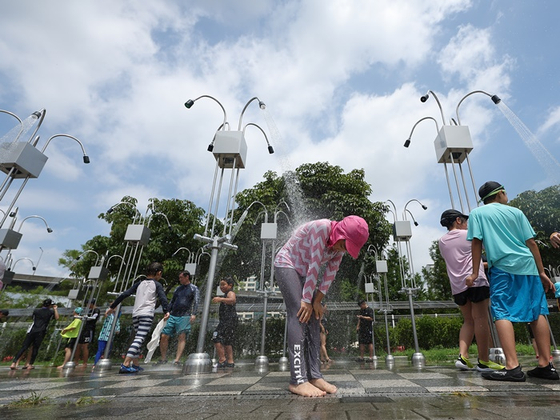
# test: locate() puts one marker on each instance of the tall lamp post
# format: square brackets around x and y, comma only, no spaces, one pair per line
[96,274]
[402,232]
[381,268]
[230,151]
[453,145]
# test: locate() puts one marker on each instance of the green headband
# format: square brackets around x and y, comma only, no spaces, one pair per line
[491,193]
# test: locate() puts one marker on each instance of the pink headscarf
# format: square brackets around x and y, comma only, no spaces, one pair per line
[354,230]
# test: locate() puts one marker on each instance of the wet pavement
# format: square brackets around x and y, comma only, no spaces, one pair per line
[365,391]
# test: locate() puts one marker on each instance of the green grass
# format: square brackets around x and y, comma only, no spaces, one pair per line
[447,356]
[31,401]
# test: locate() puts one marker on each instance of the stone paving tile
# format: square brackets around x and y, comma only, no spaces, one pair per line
[424,375]
[140,383]
[455,389]
[242,380]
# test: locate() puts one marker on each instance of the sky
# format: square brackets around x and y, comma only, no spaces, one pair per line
[341,81]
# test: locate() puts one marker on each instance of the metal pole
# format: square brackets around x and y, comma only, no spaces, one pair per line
[374,357]
[200,362]
[283,362]
[418,359]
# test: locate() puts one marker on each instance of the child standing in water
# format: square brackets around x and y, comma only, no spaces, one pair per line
[297,266]
[224,336]
[70,333]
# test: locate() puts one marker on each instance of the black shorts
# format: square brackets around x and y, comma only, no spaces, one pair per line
[70,342]
[474,294]
[86,337]
[365,337]
[225,333]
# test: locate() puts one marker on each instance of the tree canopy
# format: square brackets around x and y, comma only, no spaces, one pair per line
[312,191]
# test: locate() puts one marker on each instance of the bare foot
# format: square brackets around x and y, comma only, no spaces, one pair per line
[13,366]
[323,385]
[306,390]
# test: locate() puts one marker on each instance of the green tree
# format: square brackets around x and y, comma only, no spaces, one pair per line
[313,191]
[172,224]
[542,208]
[437,281]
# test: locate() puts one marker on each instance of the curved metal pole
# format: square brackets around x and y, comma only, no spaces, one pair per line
[261,106]
[86,157]
[20,259]
[407,142]
[40,115]
[49,230]
[425,98]
[270,148]
[191,102]
[494,98]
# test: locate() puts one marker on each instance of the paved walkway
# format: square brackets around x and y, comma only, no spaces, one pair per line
[366,390]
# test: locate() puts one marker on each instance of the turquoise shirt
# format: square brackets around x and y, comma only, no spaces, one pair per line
[503,231]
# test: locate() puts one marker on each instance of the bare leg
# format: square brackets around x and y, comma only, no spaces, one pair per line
[370,351]
[67,354]
[306,389]
[229,353]
[542,338]
[163,345]
[220,352]
[85,353]
[481,328]
[507,338]
[180,346]
[324,354]
[466,333]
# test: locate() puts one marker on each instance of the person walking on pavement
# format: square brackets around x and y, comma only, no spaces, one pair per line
[147,291]
[36,333]
[365,329]
[182,309]
[472,301]
[518,281]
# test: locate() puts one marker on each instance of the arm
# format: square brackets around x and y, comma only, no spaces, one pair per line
[318,237]
[367,318]
[330,273]
[318,308]
[230,298]
[476,251]
[555,239]
[546,282]
[93,316]
[55,309]
[195,302]
[163,299]
[123,296]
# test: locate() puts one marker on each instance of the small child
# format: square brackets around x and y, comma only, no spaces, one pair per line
[104,335]
[224,335]
[70,333]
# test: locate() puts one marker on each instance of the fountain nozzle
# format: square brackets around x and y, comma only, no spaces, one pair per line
[425,97]
[496,99]
[407,143]
[189,103]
